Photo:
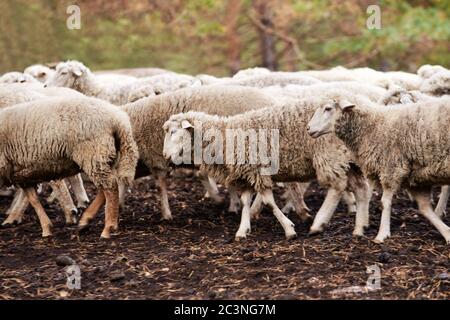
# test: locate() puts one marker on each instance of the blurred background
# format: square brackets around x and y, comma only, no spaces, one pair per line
[219,37]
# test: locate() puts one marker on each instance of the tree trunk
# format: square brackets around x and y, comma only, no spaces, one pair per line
[233,10]
[267,39]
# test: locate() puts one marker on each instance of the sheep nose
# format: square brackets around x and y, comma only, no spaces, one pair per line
[308,128]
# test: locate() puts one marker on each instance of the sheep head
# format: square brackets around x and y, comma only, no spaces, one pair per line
[325,117]
[17,77]
[438,84]
[68,74]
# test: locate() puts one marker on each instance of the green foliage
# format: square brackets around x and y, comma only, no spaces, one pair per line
[191,36]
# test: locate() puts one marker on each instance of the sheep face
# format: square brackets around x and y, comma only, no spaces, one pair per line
[426,71]
[68,74]
[438,84]
[17,77]
[325,117]
[177,138]
[39,72]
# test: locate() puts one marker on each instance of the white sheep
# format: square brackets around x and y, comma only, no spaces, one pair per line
[272,79]
[404,146]
[251,72]
[438,84]
[426,71]
[56,138]
[299,158]
[75,75]
[17,77]
[39,72]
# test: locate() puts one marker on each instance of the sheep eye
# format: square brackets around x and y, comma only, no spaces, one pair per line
[328,109]
[173,131]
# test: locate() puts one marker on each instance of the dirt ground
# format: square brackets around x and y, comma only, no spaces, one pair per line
[194,256]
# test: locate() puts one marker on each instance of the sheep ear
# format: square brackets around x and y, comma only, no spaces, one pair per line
[346,105]
[78,73]
[185,124]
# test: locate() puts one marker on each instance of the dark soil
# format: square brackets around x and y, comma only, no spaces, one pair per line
[194,256]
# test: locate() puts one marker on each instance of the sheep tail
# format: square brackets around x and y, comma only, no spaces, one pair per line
[127,153]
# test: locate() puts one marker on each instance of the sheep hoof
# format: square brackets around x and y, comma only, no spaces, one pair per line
[105,235]
[218,200]
[291,236]
[233,210]
[239,238]
[83,205]
[314,231]
[11,223]
[82,227]
[358,233]
[72,220]
[304,217]
[46,234]
[167,218]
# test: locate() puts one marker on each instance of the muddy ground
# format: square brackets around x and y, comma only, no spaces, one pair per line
[194,256]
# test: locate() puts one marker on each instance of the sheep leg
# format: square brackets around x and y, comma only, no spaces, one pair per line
[385,225]
[17,208]
[122,193]
[111,212]
[160,177]
[244,227]
[76,182]
[211,189]
[235,203]
[423,200]
[326,210]
[297,197]
[45,222]
[65,200]
[52,197]
[6,192]
[363,194]
[16,198]
[441,207]
[350,201]
[288,226]
[256,207]
[92,210]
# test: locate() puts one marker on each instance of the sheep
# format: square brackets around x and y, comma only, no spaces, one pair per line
[18,93]
[266,80]
[134,72]
[301,158]
[366,75]
[56,138]
[251,72]
[39,72]
[404,146]
[149,114]
[207,79]
[374,93]
[438,84]
[17,77]
[397,94]
[426,71]
[75,75]
[161,84]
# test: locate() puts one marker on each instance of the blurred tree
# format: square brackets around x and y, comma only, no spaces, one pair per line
[220,37]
